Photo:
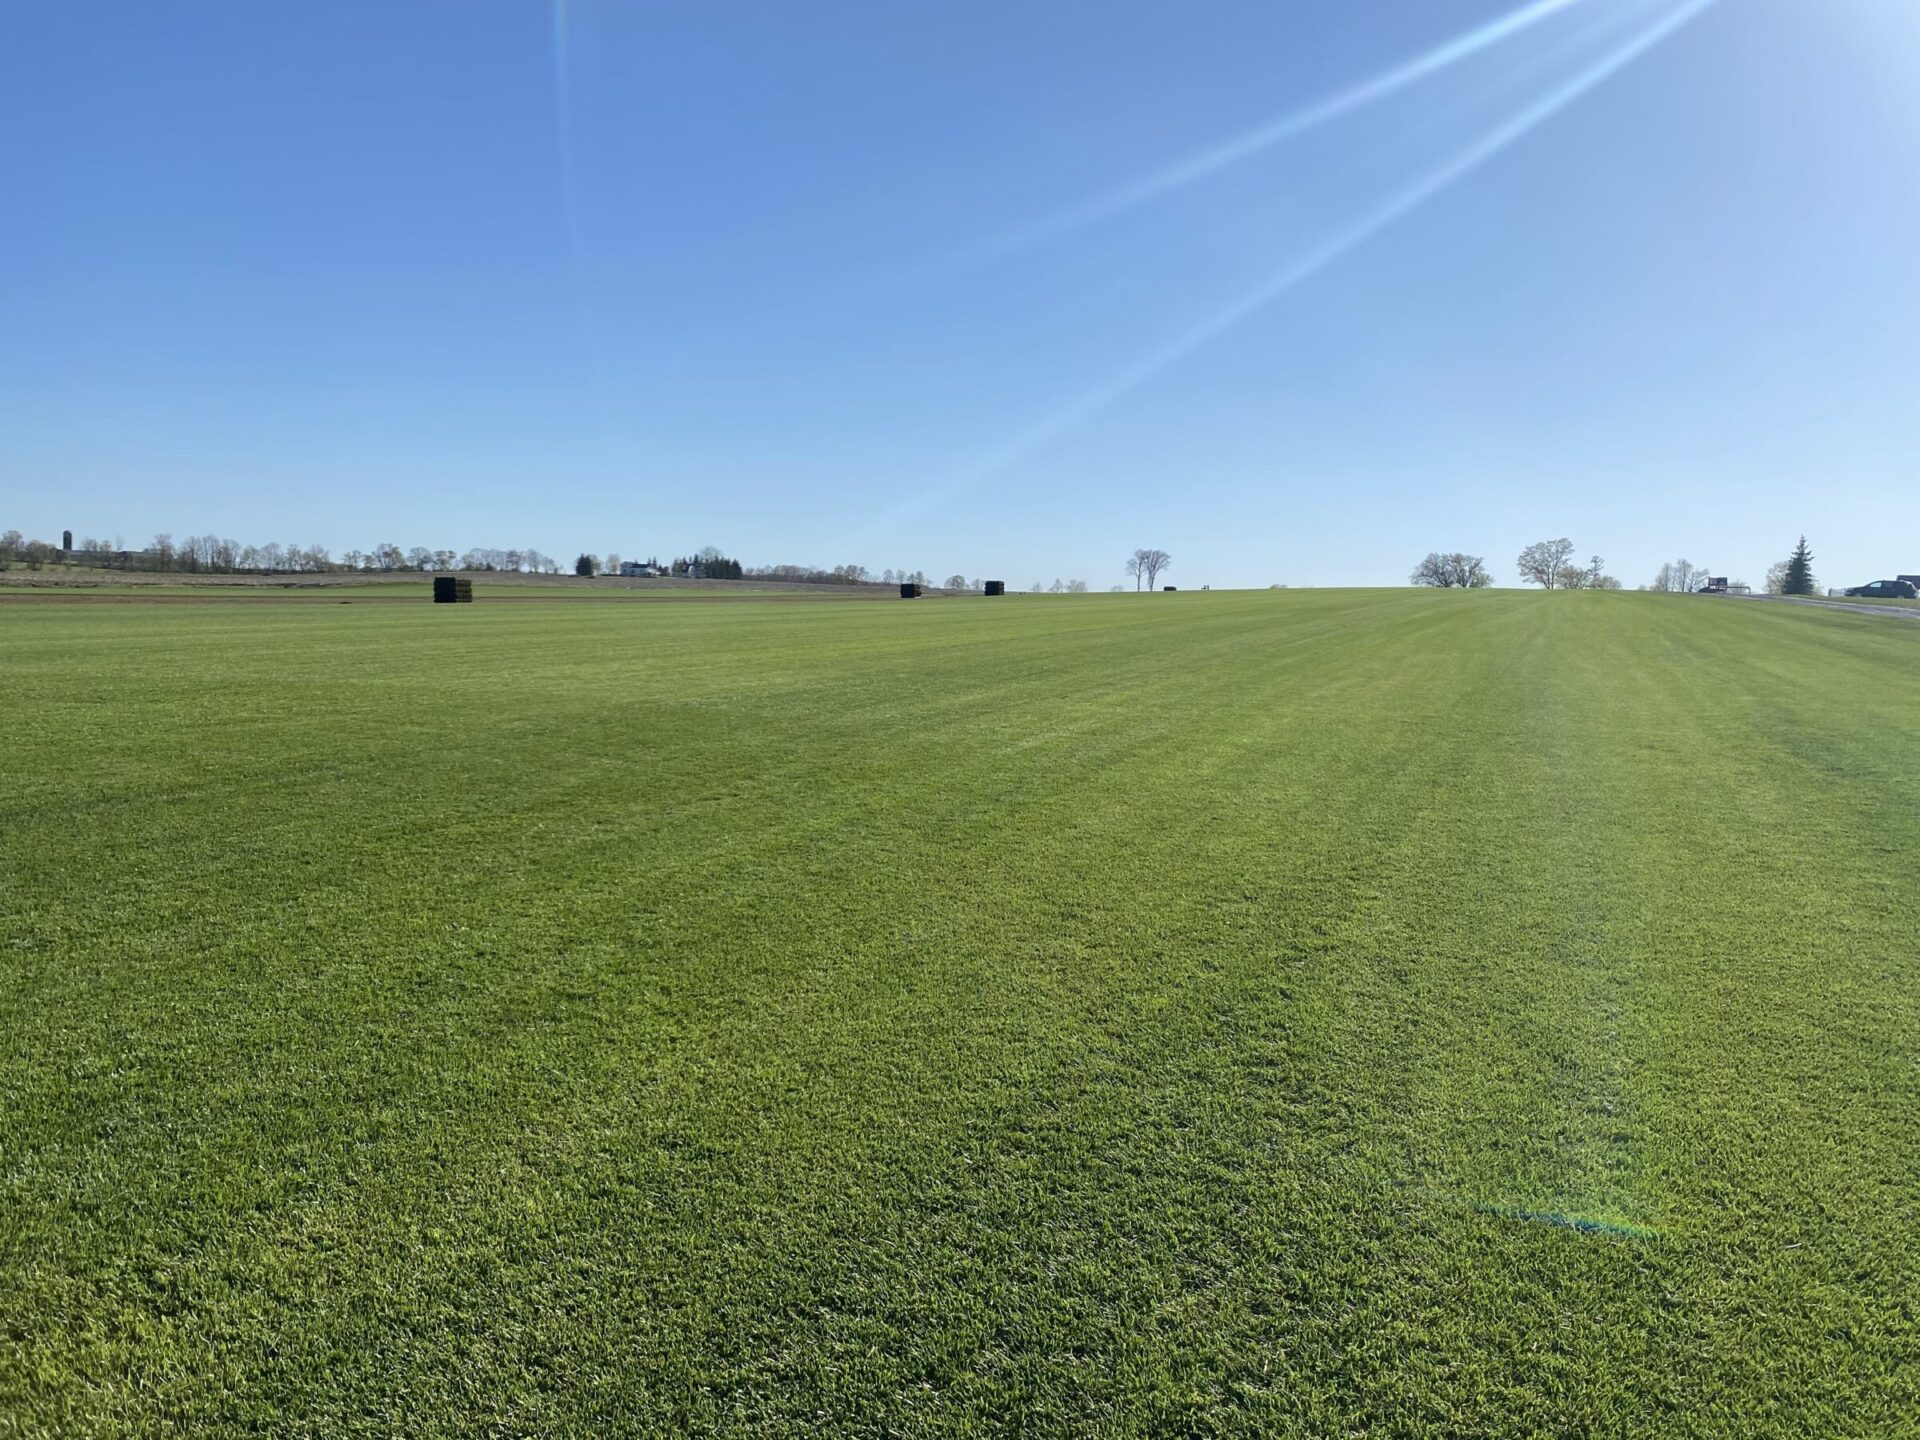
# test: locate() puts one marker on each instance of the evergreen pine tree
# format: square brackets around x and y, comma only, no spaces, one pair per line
[1800,570]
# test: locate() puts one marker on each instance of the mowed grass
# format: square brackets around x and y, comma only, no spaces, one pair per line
[1342,1013]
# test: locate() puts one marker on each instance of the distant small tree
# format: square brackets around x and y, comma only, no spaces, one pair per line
[956,582]
[1136,569]
[1799,579]
[586,565]
[1076,587]
[1777,578]
[1452,570]
[1544,563]
[1058,587]
[1679,577]
[1591,576]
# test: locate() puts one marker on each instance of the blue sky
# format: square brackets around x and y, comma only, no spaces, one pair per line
[793,280]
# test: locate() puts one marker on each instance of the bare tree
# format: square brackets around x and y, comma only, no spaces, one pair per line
[1777,578]
[956,582]
[1452,571]
[1152,562]
[1679,577]
[1544,562]
[1136,570]
[1076,587]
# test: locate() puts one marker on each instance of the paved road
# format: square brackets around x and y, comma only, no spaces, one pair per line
[1899,612]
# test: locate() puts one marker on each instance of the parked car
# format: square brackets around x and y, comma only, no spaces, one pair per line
[1887,590]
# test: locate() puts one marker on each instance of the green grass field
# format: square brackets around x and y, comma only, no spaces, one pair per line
[1338,1013]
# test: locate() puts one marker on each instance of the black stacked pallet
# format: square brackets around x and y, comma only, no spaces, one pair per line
[996,587]
[909,591]
[452,590]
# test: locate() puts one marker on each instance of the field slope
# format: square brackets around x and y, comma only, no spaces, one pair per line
[1306,1014]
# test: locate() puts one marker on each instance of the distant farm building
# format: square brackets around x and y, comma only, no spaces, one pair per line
[637,570]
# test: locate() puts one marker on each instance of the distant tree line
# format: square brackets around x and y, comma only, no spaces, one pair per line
[1546,563]
[709,564]
[1550,565]
[212,555]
